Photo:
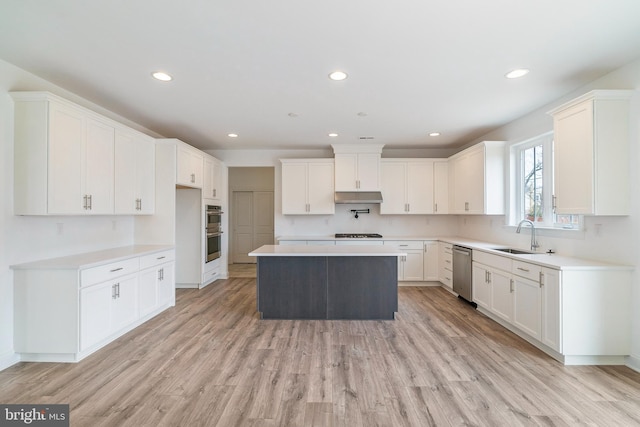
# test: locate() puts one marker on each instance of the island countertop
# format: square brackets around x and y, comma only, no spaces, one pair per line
[304,250]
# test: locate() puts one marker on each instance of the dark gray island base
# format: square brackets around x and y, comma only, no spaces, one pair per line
[327,287]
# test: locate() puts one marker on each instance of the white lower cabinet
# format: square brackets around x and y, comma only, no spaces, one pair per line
[156,281]
[430,252]
[580,316]
[410,266]
[67,308]
[445,264]
[493,290]
[106,308]
[550,302]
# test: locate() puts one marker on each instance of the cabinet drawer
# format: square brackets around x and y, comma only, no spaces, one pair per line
[447,248]
[405,244]
[496,261]
[524,269]
[211,275]
[446,277]
[108,271]
[157,258]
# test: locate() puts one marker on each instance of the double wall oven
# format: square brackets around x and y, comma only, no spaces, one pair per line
[213,232]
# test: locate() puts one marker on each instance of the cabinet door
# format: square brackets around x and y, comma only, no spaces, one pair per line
[393,188]
[166,284]
[218,189]
[346,172]
[146,175]
[527,306]
[501,294]
[573,159]
[189,167]
[65,180]
[419,187]
[207,184]
[95,313]
[473,170]
[320,189]
[413,266]
[440,187]
[99,167]
[124,307]
[124,174]
[147,291]
[481,286]
[430,269]
[551,323]
[368,171]
[294,188]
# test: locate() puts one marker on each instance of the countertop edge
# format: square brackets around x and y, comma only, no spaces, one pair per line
[82,261]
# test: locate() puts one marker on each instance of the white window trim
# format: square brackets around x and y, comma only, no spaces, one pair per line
[515,197]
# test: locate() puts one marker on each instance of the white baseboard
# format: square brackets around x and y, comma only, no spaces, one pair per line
[8,359]
[633,362]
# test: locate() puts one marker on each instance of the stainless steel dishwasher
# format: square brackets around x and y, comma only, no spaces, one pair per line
[462,272]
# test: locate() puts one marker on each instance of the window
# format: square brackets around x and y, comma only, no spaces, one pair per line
[534,185]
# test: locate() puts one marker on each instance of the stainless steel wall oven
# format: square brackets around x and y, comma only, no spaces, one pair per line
[213,232]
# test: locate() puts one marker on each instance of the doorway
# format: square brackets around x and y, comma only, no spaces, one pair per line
[252,223]
[251,211]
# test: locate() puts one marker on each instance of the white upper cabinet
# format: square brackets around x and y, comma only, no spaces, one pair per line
[307,186]
[190,166]
[63,157]
[357,167]
[407,186]
[134,173]
[591,154]
[476,180]
[441,187]
[212,186]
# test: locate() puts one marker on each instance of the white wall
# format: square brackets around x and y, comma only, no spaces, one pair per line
[612,239]
[30,238]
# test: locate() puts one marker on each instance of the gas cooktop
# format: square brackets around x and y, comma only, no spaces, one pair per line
[358,236]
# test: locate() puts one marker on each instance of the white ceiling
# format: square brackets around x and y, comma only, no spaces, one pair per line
[242,66]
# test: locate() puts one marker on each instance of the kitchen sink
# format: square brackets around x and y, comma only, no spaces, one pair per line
[513,251]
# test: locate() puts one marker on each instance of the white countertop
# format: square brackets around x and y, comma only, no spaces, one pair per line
[91,259]
[304,250]
[555,261]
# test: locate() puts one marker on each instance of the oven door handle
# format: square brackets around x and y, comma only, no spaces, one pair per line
[214,234]
[214,212]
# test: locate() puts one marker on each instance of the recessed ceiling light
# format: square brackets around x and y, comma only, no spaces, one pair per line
[434,134]
[162,76]
[232,135]
[292,115]
[333,135]
[338,75]
[362,114]
[518,72]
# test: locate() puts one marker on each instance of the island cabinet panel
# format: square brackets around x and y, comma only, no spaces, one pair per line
[292,287]
[327,287]
[358,288]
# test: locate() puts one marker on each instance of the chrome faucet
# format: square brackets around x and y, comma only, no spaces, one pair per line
[534,243]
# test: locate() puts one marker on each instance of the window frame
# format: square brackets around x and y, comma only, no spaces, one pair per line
[516,211]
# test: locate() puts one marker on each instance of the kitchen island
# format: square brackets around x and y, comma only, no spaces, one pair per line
[332,282]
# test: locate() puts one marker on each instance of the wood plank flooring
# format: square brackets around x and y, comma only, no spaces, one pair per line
[211,362]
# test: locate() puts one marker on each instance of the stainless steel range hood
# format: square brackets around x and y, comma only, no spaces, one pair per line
[358,197]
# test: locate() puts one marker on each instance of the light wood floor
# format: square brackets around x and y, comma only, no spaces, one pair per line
[211,362]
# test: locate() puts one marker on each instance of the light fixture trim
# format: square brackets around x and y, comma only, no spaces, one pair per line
[517,73]
[338,75]
[162,76]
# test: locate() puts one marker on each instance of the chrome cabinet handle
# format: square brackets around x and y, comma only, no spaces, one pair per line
[511,286]
[523,269]
[115,269]
[435,207]
[541,279]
